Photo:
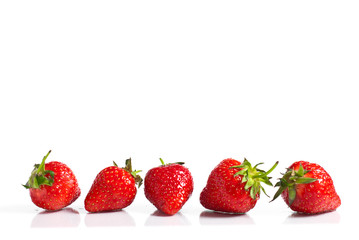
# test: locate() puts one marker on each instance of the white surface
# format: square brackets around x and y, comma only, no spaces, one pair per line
[193,81]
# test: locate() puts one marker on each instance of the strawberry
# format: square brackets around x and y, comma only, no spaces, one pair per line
[114,188]
[307,188]
[53,185]
[168,187]
[234,187]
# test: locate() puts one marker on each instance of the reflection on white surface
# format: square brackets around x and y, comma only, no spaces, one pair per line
[109,219]
[217,218]
[66,217]
[329,217]
[158,218]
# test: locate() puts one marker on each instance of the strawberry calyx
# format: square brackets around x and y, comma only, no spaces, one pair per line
[254,177]
[165,164]
[40,176]
[289,181]
[128,168]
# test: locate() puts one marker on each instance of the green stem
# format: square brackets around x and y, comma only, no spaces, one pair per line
[41,168]
[269,171]
[135,172]
[162,162]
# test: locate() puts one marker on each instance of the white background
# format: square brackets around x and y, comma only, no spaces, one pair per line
[192,81]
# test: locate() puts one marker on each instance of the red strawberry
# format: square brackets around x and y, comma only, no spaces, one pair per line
[114,188]
[308,188]
[168,187]
[53,185]
[233,187]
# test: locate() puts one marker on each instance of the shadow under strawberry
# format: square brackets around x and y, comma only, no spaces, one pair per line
[117,218]
[64,218]
[219,218]
[159,218]
[322,218]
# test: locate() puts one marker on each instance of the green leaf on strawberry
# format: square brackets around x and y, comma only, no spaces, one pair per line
[289,181]
[39,176]
[254,176]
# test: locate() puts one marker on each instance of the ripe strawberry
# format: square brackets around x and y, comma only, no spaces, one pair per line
[168,187]
[308,188]
[53,185]
[233,187]
[114,188]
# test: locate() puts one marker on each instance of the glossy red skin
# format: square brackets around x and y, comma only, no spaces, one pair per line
[113,189]
[64,191]
[226,193]
[168,187]
[317,197]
